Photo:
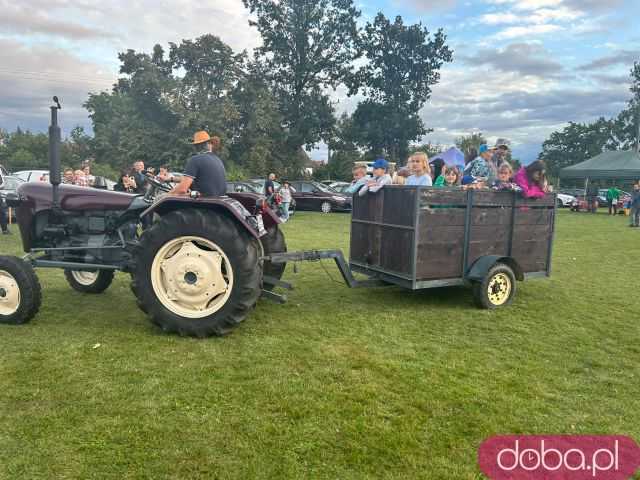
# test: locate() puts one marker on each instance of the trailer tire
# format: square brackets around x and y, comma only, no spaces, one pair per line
[20,291]
[94,282]
[273,242]
[497,289]
[196,273]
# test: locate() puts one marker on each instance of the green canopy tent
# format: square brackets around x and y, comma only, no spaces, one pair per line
[614,165]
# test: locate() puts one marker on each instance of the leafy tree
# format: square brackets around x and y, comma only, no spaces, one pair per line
[577,142]
[626,123]
[403,63]
[468,142]
[308,46]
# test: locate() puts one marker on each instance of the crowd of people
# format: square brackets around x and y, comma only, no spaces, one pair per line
[488,168]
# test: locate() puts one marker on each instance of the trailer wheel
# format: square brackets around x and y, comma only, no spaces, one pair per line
[325,207]
[94,281]
[273,242]
[20,291]
[196,273]
[497,289]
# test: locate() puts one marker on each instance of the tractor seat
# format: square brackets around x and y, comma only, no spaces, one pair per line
[73,198]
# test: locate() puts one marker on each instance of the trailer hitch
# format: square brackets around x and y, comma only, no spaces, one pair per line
[314,256]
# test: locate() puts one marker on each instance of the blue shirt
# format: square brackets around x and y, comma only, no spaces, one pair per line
[422,181]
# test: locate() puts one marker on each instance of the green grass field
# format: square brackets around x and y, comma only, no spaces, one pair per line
[337,383]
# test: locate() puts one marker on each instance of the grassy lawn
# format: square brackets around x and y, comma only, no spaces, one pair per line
[337,383]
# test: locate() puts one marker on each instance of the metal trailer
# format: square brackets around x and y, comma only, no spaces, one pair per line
[424,237]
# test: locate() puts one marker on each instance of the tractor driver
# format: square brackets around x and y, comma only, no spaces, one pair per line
[205,171]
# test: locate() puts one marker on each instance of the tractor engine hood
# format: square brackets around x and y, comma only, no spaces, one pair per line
[39,196]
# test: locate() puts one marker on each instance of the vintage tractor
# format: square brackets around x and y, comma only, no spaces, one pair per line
[196,263]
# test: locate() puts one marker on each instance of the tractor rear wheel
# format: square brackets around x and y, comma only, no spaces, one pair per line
[197,273]
[90,281]
[20,291]
[273,242]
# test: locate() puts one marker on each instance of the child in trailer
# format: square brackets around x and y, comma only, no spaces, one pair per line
[380,178]
[421,173]
[451,176]
[504,182]
[359,179]
[532,180]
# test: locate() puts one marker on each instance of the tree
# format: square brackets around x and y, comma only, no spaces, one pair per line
[468,142]
[308,46]
[577,142]
[628,121]
[403,63]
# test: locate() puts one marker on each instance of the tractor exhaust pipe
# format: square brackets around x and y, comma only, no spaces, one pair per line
[54,153]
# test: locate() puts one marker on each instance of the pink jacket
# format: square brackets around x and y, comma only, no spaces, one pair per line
[529,190]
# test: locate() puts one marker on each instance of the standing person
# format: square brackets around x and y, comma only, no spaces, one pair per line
[139,177]
[4,215]
[285,195]
[79,179]
[592,197]
[482,167]
[205,171]
[269,186]
[613,195]
[532,180]
[67,178]
[420,171]
[635,205]
[91,180]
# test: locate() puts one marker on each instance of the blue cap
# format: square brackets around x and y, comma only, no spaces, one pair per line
[483,148]
[468,179]
[380,163]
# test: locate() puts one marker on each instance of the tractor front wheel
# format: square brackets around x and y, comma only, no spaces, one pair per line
[20,291]
[93,281]
[197,273]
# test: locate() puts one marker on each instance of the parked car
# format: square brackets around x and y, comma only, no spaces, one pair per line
[339,187]
[315,196]
[32,175]
[8,189]
[244,187]
[565,201]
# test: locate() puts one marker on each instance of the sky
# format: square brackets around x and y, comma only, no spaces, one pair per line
[522,68]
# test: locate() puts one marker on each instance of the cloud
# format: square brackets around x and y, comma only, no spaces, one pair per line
[506,104]
[427,5]
[526,31]
[621,57]
[521,58]
[18,19]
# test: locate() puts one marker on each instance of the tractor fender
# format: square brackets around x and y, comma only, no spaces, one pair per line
[225,205]
[483,264]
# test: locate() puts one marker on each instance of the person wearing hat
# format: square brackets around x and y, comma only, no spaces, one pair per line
[380,177]
[205,171]
[482,167]
[500,152]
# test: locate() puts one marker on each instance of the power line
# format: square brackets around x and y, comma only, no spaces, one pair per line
[57,78]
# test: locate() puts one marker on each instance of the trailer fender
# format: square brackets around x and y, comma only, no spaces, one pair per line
[482,266]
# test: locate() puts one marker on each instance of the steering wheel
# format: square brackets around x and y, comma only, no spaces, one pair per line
[159,185]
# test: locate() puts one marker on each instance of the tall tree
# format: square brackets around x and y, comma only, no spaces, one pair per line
[577,142]
[403,63]
[308,46]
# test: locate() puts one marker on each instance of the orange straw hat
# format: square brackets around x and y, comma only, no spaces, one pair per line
[200,137]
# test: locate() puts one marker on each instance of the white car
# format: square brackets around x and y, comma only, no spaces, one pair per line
[33,175]
[566,201]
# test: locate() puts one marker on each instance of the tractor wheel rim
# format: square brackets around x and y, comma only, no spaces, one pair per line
[499,289]
[9,294]
[326,207]
[192,277]
[85,278]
